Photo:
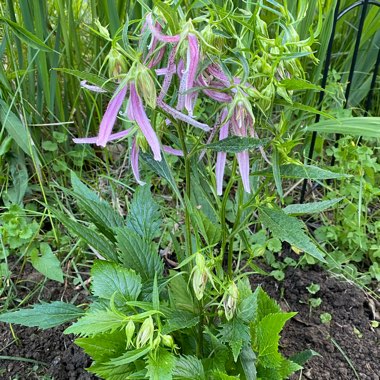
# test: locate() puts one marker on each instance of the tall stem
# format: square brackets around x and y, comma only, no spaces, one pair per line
[181,136]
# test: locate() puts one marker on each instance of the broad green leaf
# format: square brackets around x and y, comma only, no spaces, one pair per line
[180,296]
[160,365]
[144,216]
[179,320]
[15,128]
[236,333]
[162,169]
[265,304]
[289,229]
[97,322]
[287,368]
[354,126]
[248,362]
[91,78]
[121,372]
[103,347]
[92,238]
[236,144]
[46,262]
[310,208]
[267,336]
[26,36]
[247,308]
[139,255]
[101,213]
[44,316]
[188,367]
[110,278]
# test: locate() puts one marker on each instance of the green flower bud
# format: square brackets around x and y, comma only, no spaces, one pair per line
[145,333]
[199,282]
[145,86]
[230,300]
[129,331]
[102,30]
[116,63]
[167,340]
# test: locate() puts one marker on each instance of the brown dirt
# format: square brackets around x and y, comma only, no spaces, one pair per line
[350,326]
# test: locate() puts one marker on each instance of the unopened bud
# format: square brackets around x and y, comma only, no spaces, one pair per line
[230,300]
[145,333]
[129,331]
[167,340]
[145,86]
[199,282]
[116,63]
[102,30]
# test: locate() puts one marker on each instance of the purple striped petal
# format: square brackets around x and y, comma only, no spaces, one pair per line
[243,160]
[171,68]
[91,87]
[135,162]
[143,122]
[110,116]
[181,92]
[181,116]
[157,33]
[191,69]
[221,156]
[92,140]
[170,150]
[158,58]
[218,73]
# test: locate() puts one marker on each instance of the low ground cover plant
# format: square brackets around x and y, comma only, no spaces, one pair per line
[208,104]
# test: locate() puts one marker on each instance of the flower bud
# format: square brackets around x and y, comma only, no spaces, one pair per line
[145,86]
[129,331]
[199,282]
[167,340]
[145,333]
[116,63]
[102,30]
[230,300]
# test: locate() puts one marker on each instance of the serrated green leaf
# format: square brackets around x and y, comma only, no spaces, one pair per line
[92,78]
[144,216]
[354,126]
[287,368]
[236,144]
[110,278]
[179,320]
[248,362]
[162,169]
[247,308]
[265,305]
[289,229]
[103,347]
[160,365]
[122,372]
[97,322]
[47,263]
[101,213]
[188,367]
[236,333]
[26,36]
[92,238]
[139,255]
[310,208]
[267,337]
[44,316]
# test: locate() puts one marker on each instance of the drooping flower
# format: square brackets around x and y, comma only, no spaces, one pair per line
[238,122]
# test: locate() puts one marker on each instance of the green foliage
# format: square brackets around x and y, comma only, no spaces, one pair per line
[236,144]
[44,316]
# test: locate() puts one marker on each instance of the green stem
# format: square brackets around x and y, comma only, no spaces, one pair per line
[181,136]
[223,216]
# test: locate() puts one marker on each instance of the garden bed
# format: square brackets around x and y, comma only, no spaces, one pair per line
[349,328]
